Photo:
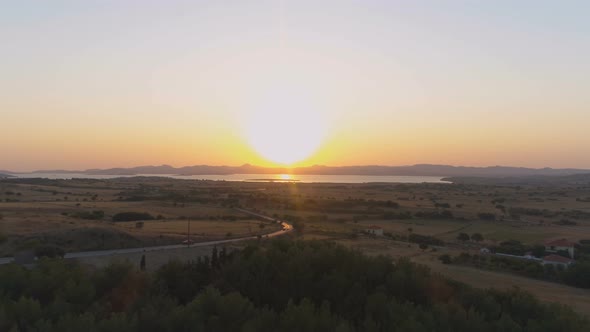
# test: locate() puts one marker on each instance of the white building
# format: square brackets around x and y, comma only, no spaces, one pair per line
[374,230]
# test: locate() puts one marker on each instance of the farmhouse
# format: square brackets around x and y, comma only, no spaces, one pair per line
[557,260]
[374,230]
[560,245]
[484,251]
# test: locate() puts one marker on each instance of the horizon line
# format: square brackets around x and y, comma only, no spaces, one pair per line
[289,167]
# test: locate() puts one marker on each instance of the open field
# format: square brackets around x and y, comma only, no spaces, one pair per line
[79,215]
[198,228]
[50,208]
[578,299]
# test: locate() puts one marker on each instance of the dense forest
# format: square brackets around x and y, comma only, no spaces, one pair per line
[279,286]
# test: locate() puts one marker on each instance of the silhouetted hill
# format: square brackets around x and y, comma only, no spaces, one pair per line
[416,170]
[538,180]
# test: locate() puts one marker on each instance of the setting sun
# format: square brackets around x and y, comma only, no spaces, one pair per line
[285,127]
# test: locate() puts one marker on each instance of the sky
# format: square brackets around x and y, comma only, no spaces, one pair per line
[97,84]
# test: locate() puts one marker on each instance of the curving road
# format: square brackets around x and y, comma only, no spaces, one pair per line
[286,229]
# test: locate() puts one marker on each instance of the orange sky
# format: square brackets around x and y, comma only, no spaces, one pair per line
[336,83]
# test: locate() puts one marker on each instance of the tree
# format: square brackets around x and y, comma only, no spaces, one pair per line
[392,204]
[538,251]
[477,237]
[142,263]
[214,257]
[463,237]
[445,259]
[578,275]
[222,255]
[299,227]
[282,285]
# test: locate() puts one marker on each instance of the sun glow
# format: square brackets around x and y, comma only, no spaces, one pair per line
[285,128]
[285,177]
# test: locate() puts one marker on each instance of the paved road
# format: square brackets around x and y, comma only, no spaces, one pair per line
[286,229]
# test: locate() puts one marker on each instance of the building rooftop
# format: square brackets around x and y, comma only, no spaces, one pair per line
[560,243]
[557,259]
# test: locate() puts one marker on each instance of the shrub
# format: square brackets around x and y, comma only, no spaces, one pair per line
[393,215]
[486,216]
[49,251]
[132,216]
[443,205]
[463,237]
[566,222]
[477,237]
[445,259]
[445,214]
[425,239]
[89,215]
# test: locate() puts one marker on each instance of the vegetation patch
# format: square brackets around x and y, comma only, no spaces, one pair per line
[132,216]
[88,215]
[228,292]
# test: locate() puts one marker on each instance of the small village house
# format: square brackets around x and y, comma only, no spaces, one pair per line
[560,245]
[557,260]
[374,230]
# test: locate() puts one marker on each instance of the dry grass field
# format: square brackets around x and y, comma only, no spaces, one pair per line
[578,299]
[199,229]
[78,215]
[50,208]
[39,212]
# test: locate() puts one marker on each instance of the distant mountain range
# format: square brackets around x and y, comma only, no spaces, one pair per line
[538,180]
[414,170]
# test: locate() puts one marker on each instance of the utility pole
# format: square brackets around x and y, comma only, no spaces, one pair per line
[188,232]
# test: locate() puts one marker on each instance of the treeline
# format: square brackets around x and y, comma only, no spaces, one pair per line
[576,275]
[516,212]
[283,286]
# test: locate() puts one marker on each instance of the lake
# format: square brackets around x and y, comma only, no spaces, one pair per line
[256,177]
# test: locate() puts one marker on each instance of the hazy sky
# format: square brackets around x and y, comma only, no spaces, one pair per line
[124,83]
